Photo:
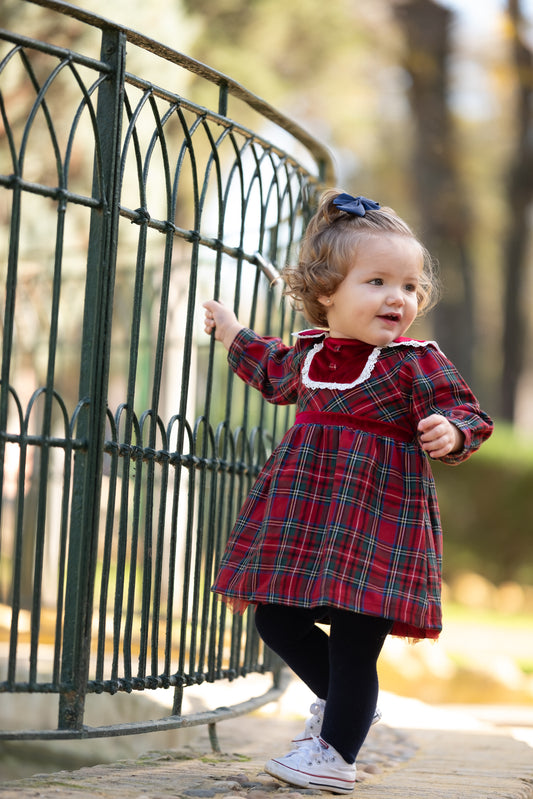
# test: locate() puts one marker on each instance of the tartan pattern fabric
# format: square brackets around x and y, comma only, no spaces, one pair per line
[338,516]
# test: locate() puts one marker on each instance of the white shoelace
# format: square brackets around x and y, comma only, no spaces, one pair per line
[316,752]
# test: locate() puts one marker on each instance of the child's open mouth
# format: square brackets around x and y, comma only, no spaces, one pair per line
[391,317]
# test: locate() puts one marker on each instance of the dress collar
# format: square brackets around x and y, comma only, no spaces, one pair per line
[366,352]
[312,332]
[318,333]
[367,361]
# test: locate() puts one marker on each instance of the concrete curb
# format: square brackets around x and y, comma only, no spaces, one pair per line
[459,765]
[420,752]
[446,765]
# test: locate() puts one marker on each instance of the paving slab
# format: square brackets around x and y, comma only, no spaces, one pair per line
[417,751]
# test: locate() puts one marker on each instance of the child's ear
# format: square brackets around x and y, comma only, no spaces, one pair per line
[324,300]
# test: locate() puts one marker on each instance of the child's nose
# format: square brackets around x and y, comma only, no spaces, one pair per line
[395,297]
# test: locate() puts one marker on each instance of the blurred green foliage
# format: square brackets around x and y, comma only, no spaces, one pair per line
[487,510]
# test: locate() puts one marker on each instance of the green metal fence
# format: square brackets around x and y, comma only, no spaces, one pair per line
[126,447]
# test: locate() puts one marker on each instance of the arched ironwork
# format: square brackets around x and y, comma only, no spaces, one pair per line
[126,446]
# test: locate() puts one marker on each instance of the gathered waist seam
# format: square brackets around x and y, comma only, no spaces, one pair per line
[354,422]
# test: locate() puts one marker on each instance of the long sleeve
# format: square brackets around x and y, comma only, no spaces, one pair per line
[437,387]
[266,364]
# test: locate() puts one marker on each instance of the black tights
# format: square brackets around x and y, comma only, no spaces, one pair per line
[340,668]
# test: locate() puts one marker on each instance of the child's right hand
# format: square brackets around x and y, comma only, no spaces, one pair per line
[222,321]
[439,437]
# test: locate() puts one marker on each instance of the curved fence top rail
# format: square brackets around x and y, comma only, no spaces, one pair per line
[319,152]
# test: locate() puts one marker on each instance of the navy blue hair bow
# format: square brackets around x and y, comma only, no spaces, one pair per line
[354,205]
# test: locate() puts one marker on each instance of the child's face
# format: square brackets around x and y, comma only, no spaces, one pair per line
[377,300]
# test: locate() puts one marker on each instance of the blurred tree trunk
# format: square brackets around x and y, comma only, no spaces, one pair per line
[519,197]
[445,220]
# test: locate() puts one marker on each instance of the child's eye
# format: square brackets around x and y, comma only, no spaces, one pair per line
[410,287]
[376,281]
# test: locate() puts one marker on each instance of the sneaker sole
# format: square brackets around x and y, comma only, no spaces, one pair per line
[302,780]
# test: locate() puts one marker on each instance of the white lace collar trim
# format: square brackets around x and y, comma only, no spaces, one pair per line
[367,369]
[310,332]
[412,342]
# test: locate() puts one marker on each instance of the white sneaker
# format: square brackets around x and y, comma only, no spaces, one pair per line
[313,725]
[315,765]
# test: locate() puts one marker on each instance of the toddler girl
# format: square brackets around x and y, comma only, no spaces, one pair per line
[342,525]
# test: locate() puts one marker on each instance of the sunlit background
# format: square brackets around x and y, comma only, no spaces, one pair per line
[353,74]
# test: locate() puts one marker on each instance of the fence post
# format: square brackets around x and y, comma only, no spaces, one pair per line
[99,288]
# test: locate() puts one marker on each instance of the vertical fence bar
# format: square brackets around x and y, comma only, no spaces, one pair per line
[9,322]
[8,330]
[99,288]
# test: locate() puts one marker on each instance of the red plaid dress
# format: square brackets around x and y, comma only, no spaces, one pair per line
[344,513]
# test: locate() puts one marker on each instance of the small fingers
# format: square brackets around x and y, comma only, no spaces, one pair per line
[437,449]
[428,424]
[438,436]
[209,318]
[209,322]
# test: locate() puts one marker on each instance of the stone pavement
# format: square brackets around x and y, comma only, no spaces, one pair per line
[417,751]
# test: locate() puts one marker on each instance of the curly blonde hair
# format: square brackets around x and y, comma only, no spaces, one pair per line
[327,254]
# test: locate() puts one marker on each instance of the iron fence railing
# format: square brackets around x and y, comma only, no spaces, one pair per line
[125,445]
